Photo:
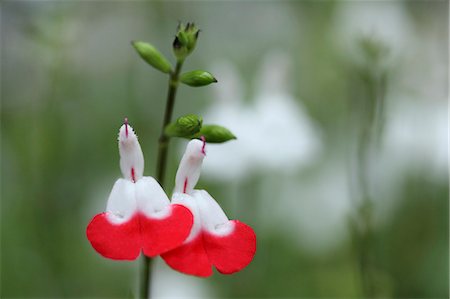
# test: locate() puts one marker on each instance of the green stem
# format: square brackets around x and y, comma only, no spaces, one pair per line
[164,139]
[145,277]
[163,147]
[364,233]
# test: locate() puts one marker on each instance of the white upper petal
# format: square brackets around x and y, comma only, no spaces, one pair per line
[212,217]
[208,215]
[151,199]
[121,202]
[190,167]
[131,157]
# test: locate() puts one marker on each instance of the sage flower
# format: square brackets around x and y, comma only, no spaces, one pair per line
[228,245]
[138,214]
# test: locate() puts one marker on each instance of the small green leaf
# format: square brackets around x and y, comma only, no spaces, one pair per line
[215,134]
[184,126]
[152,56]
[197,78]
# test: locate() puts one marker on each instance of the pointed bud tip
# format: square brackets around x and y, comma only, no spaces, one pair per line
[197,78]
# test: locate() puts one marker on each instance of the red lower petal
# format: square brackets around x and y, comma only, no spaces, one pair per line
[190,258]
[229,254]
[161,235]
[115,241]
[233,252]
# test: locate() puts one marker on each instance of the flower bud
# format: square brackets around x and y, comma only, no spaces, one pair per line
[184,126]
[197,78]
[215,134]
[185,40]
[152,56]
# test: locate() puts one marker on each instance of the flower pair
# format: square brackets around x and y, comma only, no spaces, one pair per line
[192,234]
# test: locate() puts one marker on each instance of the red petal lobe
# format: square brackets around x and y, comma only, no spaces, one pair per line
[190,258]
[162,235]
[233,252]
[115,241]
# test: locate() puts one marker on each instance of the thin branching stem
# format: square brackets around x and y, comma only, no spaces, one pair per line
[367,140]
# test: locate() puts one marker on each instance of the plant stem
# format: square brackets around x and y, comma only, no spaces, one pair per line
[163,138]
[145,277]
[163,147]
[370,131]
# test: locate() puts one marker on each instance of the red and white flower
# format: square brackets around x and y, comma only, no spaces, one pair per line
[228,245]
[138,214]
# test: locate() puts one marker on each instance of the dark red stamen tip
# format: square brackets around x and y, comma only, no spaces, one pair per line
[126,126]
[185,185]
[202,138]
[133,175]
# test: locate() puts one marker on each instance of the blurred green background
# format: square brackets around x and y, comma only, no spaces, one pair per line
[340,164]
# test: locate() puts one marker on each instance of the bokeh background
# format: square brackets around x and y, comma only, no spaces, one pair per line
[340,109]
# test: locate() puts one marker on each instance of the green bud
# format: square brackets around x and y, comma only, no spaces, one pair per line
[197,78]
[152,56]
[185,40]
[184,126]
[182,36]
[215,134]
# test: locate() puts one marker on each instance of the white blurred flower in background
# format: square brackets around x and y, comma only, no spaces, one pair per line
[415,140]
[414,131]
[385,20]
[416,137]
[276,140]
[274,131]
[314,212]
[230,160]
